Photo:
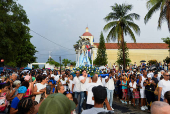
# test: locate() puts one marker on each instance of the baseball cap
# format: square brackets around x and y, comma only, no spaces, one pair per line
[99,92]
[56,104]
[22,89]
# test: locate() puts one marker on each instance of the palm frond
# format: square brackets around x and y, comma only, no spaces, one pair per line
[163,4]
[168,14]
[111,16]
[152,10]
[112,34]
[129,31]
[131,16]
[134,26]
[162,17]
[109,25]
[151,3]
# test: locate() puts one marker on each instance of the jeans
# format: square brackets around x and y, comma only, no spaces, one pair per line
[76,95]
[81,100]
[161,99]
[110,96]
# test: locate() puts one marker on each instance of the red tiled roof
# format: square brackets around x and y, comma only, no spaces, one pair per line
[87,34]
[137,45]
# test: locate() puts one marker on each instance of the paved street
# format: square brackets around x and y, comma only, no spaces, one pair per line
[126,109]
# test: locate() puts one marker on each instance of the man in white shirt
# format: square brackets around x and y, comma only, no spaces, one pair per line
[64,82]
[83,81]
[114,67]
[100,97]
[99,80]
[90,102]
[142,90]
[55,76]
[110,87]
[76,87]
[163,86]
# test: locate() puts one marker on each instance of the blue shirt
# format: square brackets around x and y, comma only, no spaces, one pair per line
[14,103]
[54,90]
[137,81]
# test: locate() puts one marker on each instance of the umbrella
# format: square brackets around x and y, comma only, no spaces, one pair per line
[142,61]
[102,67]
[27,68]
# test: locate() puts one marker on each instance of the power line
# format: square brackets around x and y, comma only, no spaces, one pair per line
[50,40]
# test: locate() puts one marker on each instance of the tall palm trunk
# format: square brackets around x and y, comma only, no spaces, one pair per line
[123,47]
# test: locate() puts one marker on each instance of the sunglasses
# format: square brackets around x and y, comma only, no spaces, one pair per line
[167,75]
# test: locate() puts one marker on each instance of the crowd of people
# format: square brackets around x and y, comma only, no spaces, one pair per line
[58,92]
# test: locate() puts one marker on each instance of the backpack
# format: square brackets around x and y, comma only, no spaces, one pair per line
[3,102]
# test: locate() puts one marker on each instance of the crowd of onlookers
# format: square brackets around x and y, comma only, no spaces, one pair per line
[58,92]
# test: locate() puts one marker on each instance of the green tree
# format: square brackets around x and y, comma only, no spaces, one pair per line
[101,52]
[120,23]
[66,62]
[163,6]
[167,41]
[120,55]
[15,46]
[73,63]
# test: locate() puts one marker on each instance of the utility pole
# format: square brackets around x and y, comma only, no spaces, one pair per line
[60,65]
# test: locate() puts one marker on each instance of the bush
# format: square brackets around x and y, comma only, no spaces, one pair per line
[152,62]
[166,60]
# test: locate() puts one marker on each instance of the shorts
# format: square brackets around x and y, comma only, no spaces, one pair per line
[124,93]
[142,93]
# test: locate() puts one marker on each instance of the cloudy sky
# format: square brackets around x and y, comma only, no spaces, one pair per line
[63,21]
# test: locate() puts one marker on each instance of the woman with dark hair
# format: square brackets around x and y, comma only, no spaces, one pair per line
[40,88]
[124,90]
[149,91]
[132,86]
[52,82]
[26,106]
[167,97]
[26,84]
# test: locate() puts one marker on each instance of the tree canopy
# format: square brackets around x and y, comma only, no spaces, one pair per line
[121,23]
[101,52]
[66,62]
[163,6]
[15,46]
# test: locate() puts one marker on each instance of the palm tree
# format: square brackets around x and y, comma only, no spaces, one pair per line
[163,6]
[121,23]
[65,62]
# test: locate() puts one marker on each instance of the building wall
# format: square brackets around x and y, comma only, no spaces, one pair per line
[136,55]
